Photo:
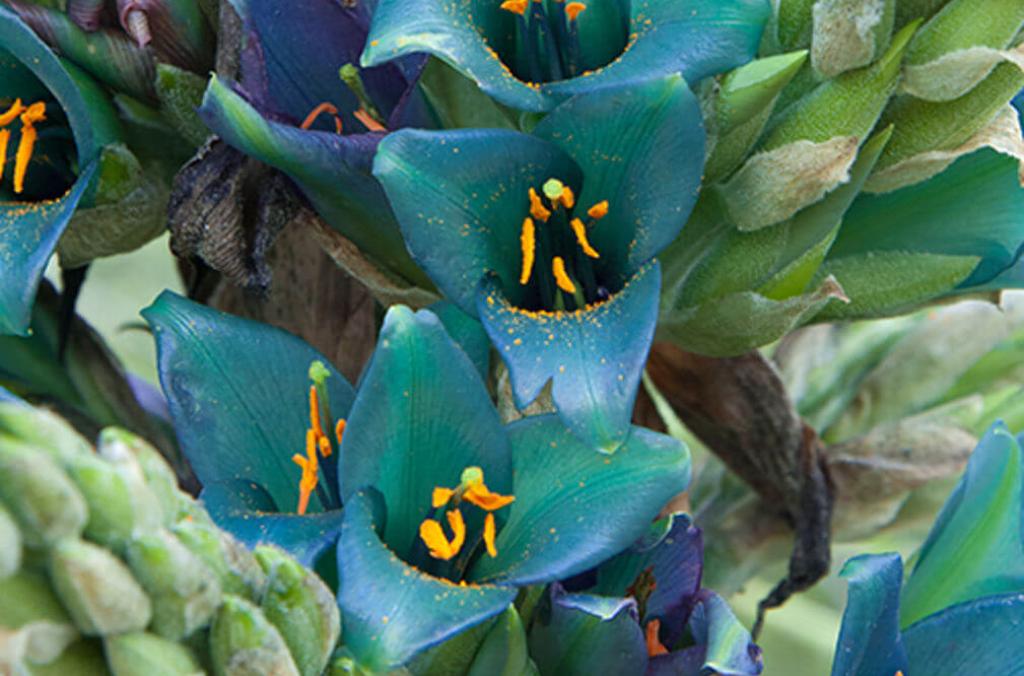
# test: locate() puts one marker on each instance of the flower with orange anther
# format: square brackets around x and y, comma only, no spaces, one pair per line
[550,238]
[473,490]
[303,106]
[533,54]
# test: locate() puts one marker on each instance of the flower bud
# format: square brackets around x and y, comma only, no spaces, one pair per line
[302,608]
[37,627]
[850,34]
[39,495]
[135,456]
[233,564]
[10,544]
[97,589]
[42,430]
[184,591]
[243,642]
[176,30]
[145,654]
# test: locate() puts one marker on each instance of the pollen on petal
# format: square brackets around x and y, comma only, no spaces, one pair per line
[440,497]
[562,278]
[490,530]
[581,238]
[599,210]
[528,244]
[573,9]
[515,6]
[537,208]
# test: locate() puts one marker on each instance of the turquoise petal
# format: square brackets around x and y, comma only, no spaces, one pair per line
[248,512]
[332,170]
[391,611]
[975,547]
[585,634]
[869,639]
[238,393]
[467,332]
[574,507]
[978,637]
[728,647]
[974,208]
[595,357]
[460,198]
[695,38]
[29,232]
[642,149]
[423,415]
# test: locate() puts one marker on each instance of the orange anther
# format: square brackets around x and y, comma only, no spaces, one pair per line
[324,107]
[528,244]
[654,645]
[515,6]
[573,9]
[598,211]
[314,412]
[339,430]
[368,121]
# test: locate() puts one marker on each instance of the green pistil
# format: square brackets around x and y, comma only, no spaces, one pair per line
[350,75]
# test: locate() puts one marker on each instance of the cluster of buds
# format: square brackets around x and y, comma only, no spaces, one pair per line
[105,566]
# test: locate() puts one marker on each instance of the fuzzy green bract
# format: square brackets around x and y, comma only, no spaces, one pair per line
[617,42]
[461,198]
[963,601]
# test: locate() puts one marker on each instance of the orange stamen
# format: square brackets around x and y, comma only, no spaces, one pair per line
[339,430]
[34,113]
[568,199]
[314,412]
[324,107]
[5,136]
[581,238]
[515,6]
[325,446]
[489,533]
[562,278]
[440,497]
[654,645]
[310,472]
[537,208]
[368,121]
[528,244]
[598,211]
[437,542]
[573,9]
[12,113]
[482,497]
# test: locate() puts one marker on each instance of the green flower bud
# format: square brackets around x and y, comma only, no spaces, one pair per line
[97,589]
[850,34]
[135,455]
[232,563]
[302,608]
[43,430]
[145,654]
[181,93]
[10,544]
[243,642]
[39,495]
[184,591]
[28,598]
[792,23]
[965,23]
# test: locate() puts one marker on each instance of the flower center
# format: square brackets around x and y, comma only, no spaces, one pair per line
[367,113]
[547,44]
[28,115]
[553,238]
[317,442]
[473,490]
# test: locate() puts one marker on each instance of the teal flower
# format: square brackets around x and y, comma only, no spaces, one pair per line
[550,238]
[533,54]
[439,511]
[962,606]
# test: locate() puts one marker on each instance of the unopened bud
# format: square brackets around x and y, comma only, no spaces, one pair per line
[43,430]
[145,654]
[134,455]
[39,495]
[243,642]
[10,544]
[232,563]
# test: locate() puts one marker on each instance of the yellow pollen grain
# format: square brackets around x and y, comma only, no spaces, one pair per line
[528,243]
[515,6]
[598,211]
[537,208]
[573,9]
[561,277]
[581,238]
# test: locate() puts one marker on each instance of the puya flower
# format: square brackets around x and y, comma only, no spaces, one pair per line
[550,238]
[962,602]
[303,106]
[445,513]
[644,612]
[533,54]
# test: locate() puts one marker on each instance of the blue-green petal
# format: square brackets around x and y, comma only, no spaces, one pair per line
[423,415]
[460,198]
[249,513]
[642,149]
[585,634]
[869,639]
[392,611]
[722,645]
[575,507]
[238,393]
[977,637]
[975,547]
[594,357]
[467,332]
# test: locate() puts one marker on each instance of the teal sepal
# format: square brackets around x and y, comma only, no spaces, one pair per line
[461,196]
[727,645]
[642,149]
[251,515]
[504,650]
[575,508]
[594,357]
[467,332]
[391,610]
[29,232]
[973,208]
[869,639]
[695,38]
[975,547]
[587,634]
[423,416]
[332,170]
[237,391]
[981,636]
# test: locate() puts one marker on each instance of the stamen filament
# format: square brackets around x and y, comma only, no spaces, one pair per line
[324,107]
[528,244]
[368,120]
[562,278]
[34,113]
[352,78]
[581,238]
[314,412]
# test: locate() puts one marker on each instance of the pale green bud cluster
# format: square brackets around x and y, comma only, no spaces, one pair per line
[106,567]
